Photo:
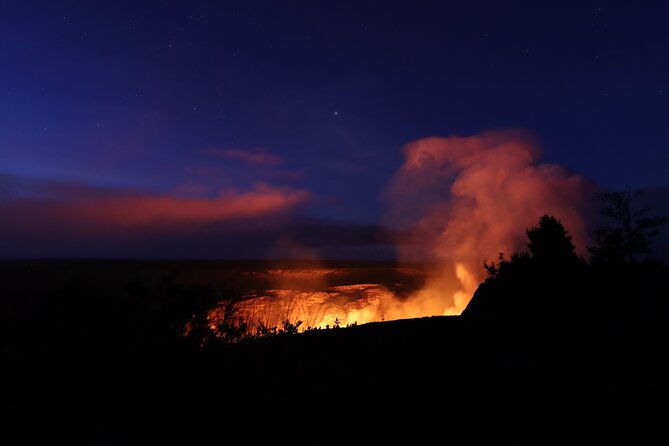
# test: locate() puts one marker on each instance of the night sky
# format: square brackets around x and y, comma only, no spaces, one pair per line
[246,129]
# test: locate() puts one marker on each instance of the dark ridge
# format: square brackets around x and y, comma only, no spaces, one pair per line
[98,363]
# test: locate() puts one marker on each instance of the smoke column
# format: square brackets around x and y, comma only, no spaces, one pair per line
[460,201]
[456,203]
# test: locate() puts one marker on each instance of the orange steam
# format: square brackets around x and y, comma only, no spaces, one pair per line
[463,200]
[458,202]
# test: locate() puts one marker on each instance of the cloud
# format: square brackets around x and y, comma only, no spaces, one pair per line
[324,232]
[340,239]
[205,171]
[46,218]
[283,175]
[34,210]
[254,157]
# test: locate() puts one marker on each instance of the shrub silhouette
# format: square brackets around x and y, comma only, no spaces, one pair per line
[628,238]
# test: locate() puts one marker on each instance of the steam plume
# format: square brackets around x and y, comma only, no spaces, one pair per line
[463,200]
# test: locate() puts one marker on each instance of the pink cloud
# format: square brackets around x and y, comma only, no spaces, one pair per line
[254,157]
[205,171]
[112,213]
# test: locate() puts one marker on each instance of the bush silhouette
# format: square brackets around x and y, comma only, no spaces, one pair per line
[628,238]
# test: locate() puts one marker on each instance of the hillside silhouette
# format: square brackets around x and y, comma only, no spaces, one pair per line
[550,349]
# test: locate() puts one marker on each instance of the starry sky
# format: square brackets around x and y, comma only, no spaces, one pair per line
[228,120]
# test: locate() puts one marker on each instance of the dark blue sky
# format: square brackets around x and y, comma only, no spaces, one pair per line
[191,98]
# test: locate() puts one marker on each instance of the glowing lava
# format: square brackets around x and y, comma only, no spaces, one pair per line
[312,300]
[338,305]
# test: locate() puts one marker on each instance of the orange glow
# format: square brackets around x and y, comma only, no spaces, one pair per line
[305,295]
[463,200]
[347,304]
[459,201]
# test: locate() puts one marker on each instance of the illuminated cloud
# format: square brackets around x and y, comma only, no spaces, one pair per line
[57,218]
[60,209]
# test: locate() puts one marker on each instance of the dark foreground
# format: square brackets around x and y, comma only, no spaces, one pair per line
[82,369]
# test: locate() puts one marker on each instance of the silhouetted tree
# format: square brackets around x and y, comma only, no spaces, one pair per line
[532,285]
[628,238]
[549,246]
[550,242]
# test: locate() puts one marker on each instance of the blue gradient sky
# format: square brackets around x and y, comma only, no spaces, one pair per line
[189,99]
